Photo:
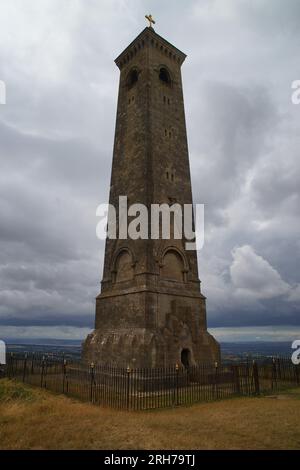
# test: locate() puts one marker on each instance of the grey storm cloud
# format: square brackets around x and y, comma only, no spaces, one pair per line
[56,139]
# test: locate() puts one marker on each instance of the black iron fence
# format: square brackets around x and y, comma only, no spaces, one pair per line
[142,389]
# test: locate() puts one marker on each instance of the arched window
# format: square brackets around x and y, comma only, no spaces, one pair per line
[132,78]
[173,266]
[164,76]
[124,268]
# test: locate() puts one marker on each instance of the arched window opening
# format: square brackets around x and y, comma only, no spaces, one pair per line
[164,76]
[132,78]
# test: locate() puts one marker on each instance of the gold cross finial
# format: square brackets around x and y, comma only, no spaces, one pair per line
[150,19]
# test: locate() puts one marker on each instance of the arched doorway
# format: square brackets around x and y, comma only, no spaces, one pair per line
[186,358]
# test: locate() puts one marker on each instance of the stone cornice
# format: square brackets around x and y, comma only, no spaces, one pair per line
[149,38]
[137,290]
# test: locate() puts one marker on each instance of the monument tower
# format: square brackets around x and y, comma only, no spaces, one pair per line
[150,312]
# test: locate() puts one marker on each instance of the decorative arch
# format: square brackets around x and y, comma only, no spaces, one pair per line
[173,265]
[123,265]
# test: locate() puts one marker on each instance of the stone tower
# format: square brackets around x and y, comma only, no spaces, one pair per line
[150,312]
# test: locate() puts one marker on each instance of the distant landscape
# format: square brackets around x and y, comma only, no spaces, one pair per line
[72,348]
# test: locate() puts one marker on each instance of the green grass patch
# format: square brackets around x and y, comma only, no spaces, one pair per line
[292,392]
[15,391]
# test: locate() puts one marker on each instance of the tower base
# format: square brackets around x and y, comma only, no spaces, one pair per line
[143,348]
[178,335]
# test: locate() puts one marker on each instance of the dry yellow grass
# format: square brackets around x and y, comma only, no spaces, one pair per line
[35,419]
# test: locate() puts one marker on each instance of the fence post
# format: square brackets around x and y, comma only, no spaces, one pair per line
[248,376]
[236,379]
[9,369]
[42,371]
[14,365]
[296,368]
[32,362]
[177,385]
[274,374]
[92,380]
[24,368]
[128,388]
[13,369]
[279,367]
[65,375]
[46,371]
[256,378]
[216,380]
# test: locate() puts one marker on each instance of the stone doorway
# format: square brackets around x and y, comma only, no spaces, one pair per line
[186,358]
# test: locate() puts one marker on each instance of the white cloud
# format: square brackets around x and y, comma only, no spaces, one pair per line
[294,295]
[252,276]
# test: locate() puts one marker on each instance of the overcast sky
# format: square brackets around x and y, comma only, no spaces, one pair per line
[56,138]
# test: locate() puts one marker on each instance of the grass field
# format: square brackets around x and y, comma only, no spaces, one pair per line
[35,419]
